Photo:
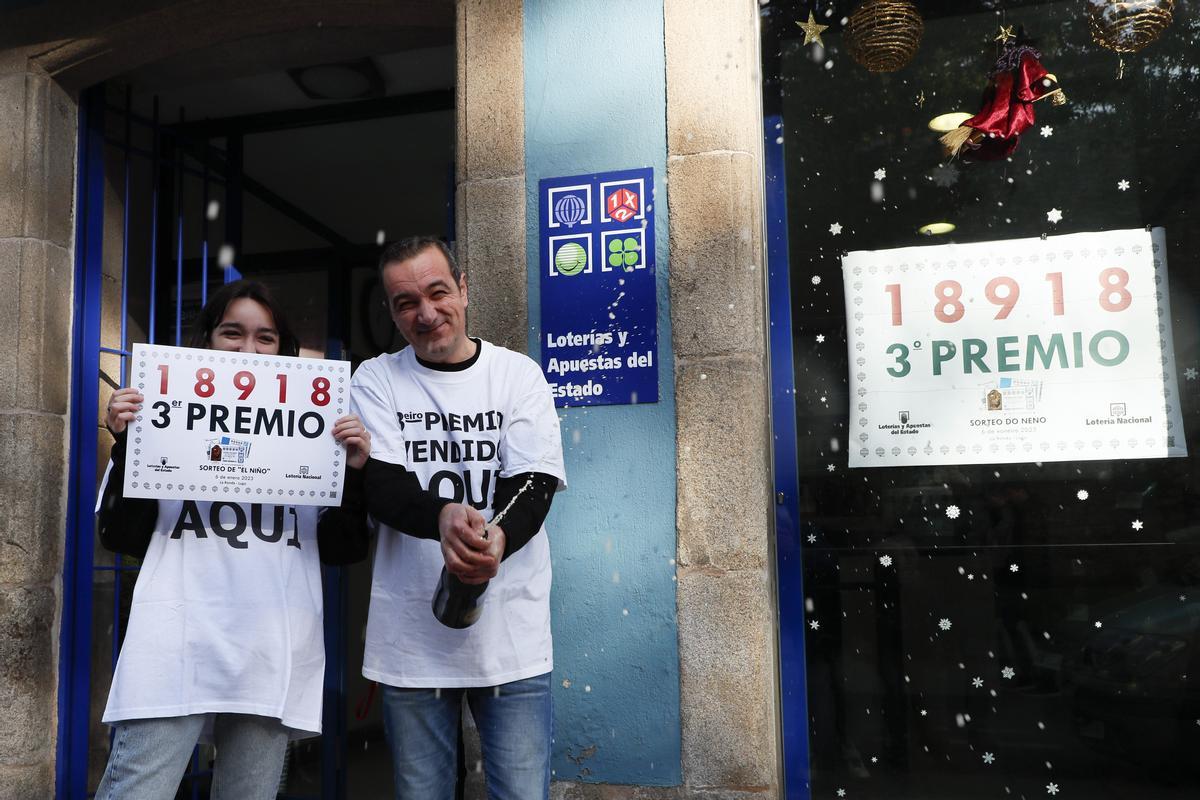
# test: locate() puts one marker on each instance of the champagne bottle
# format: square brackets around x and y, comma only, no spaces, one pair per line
[456,604]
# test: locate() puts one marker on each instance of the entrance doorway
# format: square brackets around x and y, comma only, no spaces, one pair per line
[198,171]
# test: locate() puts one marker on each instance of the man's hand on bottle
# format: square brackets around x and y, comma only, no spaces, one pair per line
[469,555]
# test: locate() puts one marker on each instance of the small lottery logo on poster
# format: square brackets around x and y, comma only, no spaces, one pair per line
[623,200]
[624,250]
[241,427]
[623,205]
[570,254]
[570,210]
[570,206]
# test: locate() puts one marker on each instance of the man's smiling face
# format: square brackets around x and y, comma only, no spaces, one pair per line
[428,307]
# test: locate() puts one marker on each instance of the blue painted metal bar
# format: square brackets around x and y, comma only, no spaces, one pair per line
[179,238]
[333,737]
[150,337]
[789,560]
[451,203]
[122,380]
[127,145]
[74,706]
[116,351]
[234,159]
[194,774]
[204,223]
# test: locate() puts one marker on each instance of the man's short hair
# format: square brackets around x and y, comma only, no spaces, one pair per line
[411,246]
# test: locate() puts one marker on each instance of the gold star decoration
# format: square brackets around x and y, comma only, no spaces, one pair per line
[1006,33]
[812,31]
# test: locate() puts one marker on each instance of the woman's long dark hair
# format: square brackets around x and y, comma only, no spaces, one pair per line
[214,310]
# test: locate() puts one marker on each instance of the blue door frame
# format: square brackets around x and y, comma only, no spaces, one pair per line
[74,688]
[789,562]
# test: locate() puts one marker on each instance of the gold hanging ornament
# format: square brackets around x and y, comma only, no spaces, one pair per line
[883,35]
[812,30]
[1126,26]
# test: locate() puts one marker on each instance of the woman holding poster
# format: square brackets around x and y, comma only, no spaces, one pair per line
[225,638]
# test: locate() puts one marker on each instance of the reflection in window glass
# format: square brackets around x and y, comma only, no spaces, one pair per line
[978,628]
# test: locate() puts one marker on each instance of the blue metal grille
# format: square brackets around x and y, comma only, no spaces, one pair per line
[99,147]
[127,151]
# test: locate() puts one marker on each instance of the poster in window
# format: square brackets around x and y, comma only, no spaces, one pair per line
[1027,350]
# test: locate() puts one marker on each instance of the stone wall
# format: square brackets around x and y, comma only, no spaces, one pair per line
[37,189]
[490,201]
[714,192]
[726,592]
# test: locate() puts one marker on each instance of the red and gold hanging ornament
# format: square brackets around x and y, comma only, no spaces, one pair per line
[1017,82]
[1126,26]
[883,35]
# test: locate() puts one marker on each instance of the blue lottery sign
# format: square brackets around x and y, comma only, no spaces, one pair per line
[599,333]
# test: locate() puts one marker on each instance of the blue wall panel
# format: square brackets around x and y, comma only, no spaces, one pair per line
[595,100]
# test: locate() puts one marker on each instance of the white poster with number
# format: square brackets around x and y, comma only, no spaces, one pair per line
[1054,349]
[239,427]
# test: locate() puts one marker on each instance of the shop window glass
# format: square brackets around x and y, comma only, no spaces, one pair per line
[1021,618]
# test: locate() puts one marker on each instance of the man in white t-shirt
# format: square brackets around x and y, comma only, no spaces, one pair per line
[462,429]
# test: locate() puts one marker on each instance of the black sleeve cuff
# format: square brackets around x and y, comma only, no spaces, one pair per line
[126,525]
[354,493]
[524,518]
[342,534]
[120,443]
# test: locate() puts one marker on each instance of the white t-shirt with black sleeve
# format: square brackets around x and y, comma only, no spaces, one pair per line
[458,431]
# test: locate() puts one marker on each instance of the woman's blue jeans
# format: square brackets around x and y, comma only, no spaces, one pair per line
[149,757]
[514,721]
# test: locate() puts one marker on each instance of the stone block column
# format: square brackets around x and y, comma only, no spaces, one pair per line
[725,564]
[490,194]
[37,170]
[490,105]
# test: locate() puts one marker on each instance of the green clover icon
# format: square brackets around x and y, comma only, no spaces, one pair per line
[624,253]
